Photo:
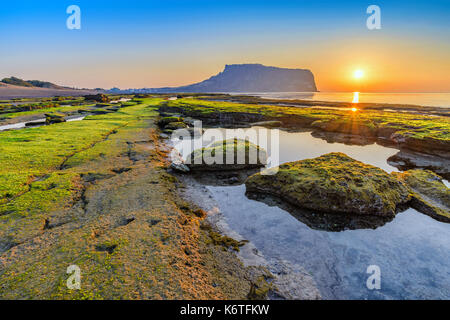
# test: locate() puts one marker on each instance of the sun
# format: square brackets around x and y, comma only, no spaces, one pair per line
[358,74]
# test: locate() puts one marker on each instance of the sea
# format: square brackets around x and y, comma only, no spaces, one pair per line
[423,99]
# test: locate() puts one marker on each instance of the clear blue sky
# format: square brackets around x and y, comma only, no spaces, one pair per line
[158,43]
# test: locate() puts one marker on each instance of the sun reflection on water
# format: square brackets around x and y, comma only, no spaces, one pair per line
[355,97]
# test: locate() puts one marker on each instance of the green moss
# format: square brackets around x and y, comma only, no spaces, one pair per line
[222,151]
[41,195]
[166,120]
[361,122]
[220,240]
[259,289]
[333,183]
[44,109]
[36,174]
[175,126]
[430,195]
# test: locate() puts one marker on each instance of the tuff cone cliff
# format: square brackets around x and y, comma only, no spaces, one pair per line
[251,78]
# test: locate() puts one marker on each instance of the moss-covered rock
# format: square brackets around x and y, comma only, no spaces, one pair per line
[220,240]
[97,97]
[347,125]
[166,120]
[51,118]
[259,289]
[429,194]
[333,183]
[175,125]
[233,154]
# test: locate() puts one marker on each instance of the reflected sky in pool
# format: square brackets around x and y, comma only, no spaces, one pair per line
[413,250]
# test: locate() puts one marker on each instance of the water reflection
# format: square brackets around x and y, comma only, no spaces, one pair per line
[223,178]
[355,97]
[423,99]
[35,123]
[322,221]
[412,250]
[292,146]
[20,125]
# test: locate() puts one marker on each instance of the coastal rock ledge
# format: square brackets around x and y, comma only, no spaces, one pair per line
[333,183]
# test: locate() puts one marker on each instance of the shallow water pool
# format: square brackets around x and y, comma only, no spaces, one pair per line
[412,250]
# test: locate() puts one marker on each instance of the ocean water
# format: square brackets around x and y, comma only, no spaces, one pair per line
[412,250]
[422,99]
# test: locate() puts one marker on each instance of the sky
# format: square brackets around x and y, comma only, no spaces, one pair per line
[135,44]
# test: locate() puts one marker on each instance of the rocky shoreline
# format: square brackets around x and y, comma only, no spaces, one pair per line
[286,280]
[110,202]
[392,192]
[426,150]
[383,135]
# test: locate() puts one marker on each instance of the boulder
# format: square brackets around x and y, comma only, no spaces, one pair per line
[97,97]
[333,183]
[180,167]
[406,160]
[429,194]
[175,126]
[233,154]
[51,118]
[413,141]
[353,126]
[166,120]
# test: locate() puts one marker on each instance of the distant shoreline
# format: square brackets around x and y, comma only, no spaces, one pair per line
[16,92]
[410,108]
[423,99]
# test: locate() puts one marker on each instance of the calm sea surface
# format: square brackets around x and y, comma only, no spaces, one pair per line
[423,99]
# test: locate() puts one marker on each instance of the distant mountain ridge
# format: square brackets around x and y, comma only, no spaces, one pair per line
[245,78]
[31,83]
[13,87]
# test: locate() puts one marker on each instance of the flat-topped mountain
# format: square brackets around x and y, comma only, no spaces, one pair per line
[255,78]
[249,78]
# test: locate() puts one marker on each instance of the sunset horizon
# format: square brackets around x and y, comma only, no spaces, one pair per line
[150,45]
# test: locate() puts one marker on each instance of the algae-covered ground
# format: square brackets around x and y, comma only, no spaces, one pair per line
[18,110]
[96,194]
